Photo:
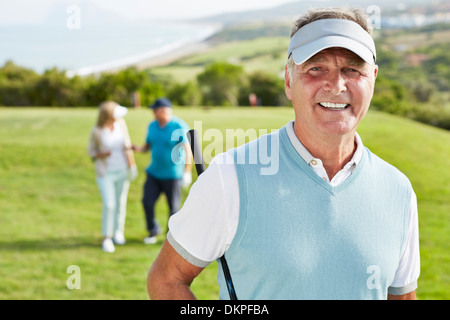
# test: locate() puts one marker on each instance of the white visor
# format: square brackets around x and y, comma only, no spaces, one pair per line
[120,112]
[329,33]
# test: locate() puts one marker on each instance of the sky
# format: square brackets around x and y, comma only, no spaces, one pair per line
[34,11]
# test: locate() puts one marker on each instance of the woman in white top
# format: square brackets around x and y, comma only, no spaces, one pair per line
[110,148]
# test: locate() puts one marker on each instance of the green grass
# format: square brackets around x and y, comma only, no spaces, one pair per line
[50,205]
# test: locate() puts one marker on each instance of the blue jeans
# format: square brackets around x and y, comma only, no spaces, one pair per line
[113,187]
[152,189]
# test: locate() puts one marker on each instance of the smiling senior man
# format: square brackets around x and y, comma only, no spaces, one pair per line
[335,221]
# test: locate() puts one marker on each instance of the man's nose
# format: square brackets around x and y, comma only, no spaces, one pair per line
[336,83]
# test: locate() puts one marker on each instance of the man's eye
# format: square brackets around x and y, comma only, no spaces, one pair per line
[352,72]
[316,71]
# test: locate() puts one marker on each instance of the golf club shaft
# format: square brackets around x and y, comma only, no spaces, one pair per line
[196,148]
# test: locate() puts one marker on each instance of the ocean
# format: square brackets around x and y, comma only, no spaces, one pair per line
[92,49]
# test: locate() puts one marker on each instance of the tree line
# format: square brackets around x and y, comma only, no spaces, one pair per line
[220,84]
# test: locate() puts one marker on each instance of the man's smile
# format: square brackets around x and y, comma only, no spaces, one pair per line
[334,106]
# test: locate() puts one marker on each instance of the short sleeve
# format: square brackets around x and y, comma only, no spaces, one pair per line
[206,224]
[408,271]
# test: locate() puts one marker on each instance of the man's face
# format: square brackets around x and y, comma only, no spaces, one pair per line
[331,92]
[163,114]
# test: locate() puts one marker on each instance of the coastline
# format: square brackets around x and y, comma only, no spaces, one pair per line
[153,58]
[174,55]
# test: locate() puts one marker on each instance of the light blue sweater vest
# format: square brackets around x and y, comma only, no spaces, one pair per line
[298,237]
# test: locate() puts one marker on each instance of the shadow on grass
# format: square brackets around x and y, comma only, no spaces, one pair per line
[67,244]
[49,244]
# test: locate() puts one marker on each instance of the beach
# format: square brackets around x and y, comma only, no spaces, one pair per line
[174,55]
[160,56]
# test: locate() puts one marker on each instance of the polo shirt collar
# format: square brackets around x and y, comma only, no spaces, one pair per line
[309,159]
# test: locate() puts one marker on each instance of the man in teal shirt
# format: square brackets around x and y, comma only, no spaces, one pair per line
[168,170]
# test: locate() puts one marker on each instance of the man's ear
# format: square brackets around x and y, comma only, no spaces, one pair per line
[287,83]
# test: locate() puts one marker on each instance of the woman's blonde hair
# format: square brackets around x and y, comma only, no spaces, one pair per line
[106,113]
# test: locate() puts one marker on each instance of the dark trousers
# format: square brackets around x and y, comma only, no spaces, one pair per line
[152,190]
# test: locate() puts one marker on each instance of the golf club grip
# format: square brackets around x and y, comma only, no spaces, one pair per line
[196,148]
